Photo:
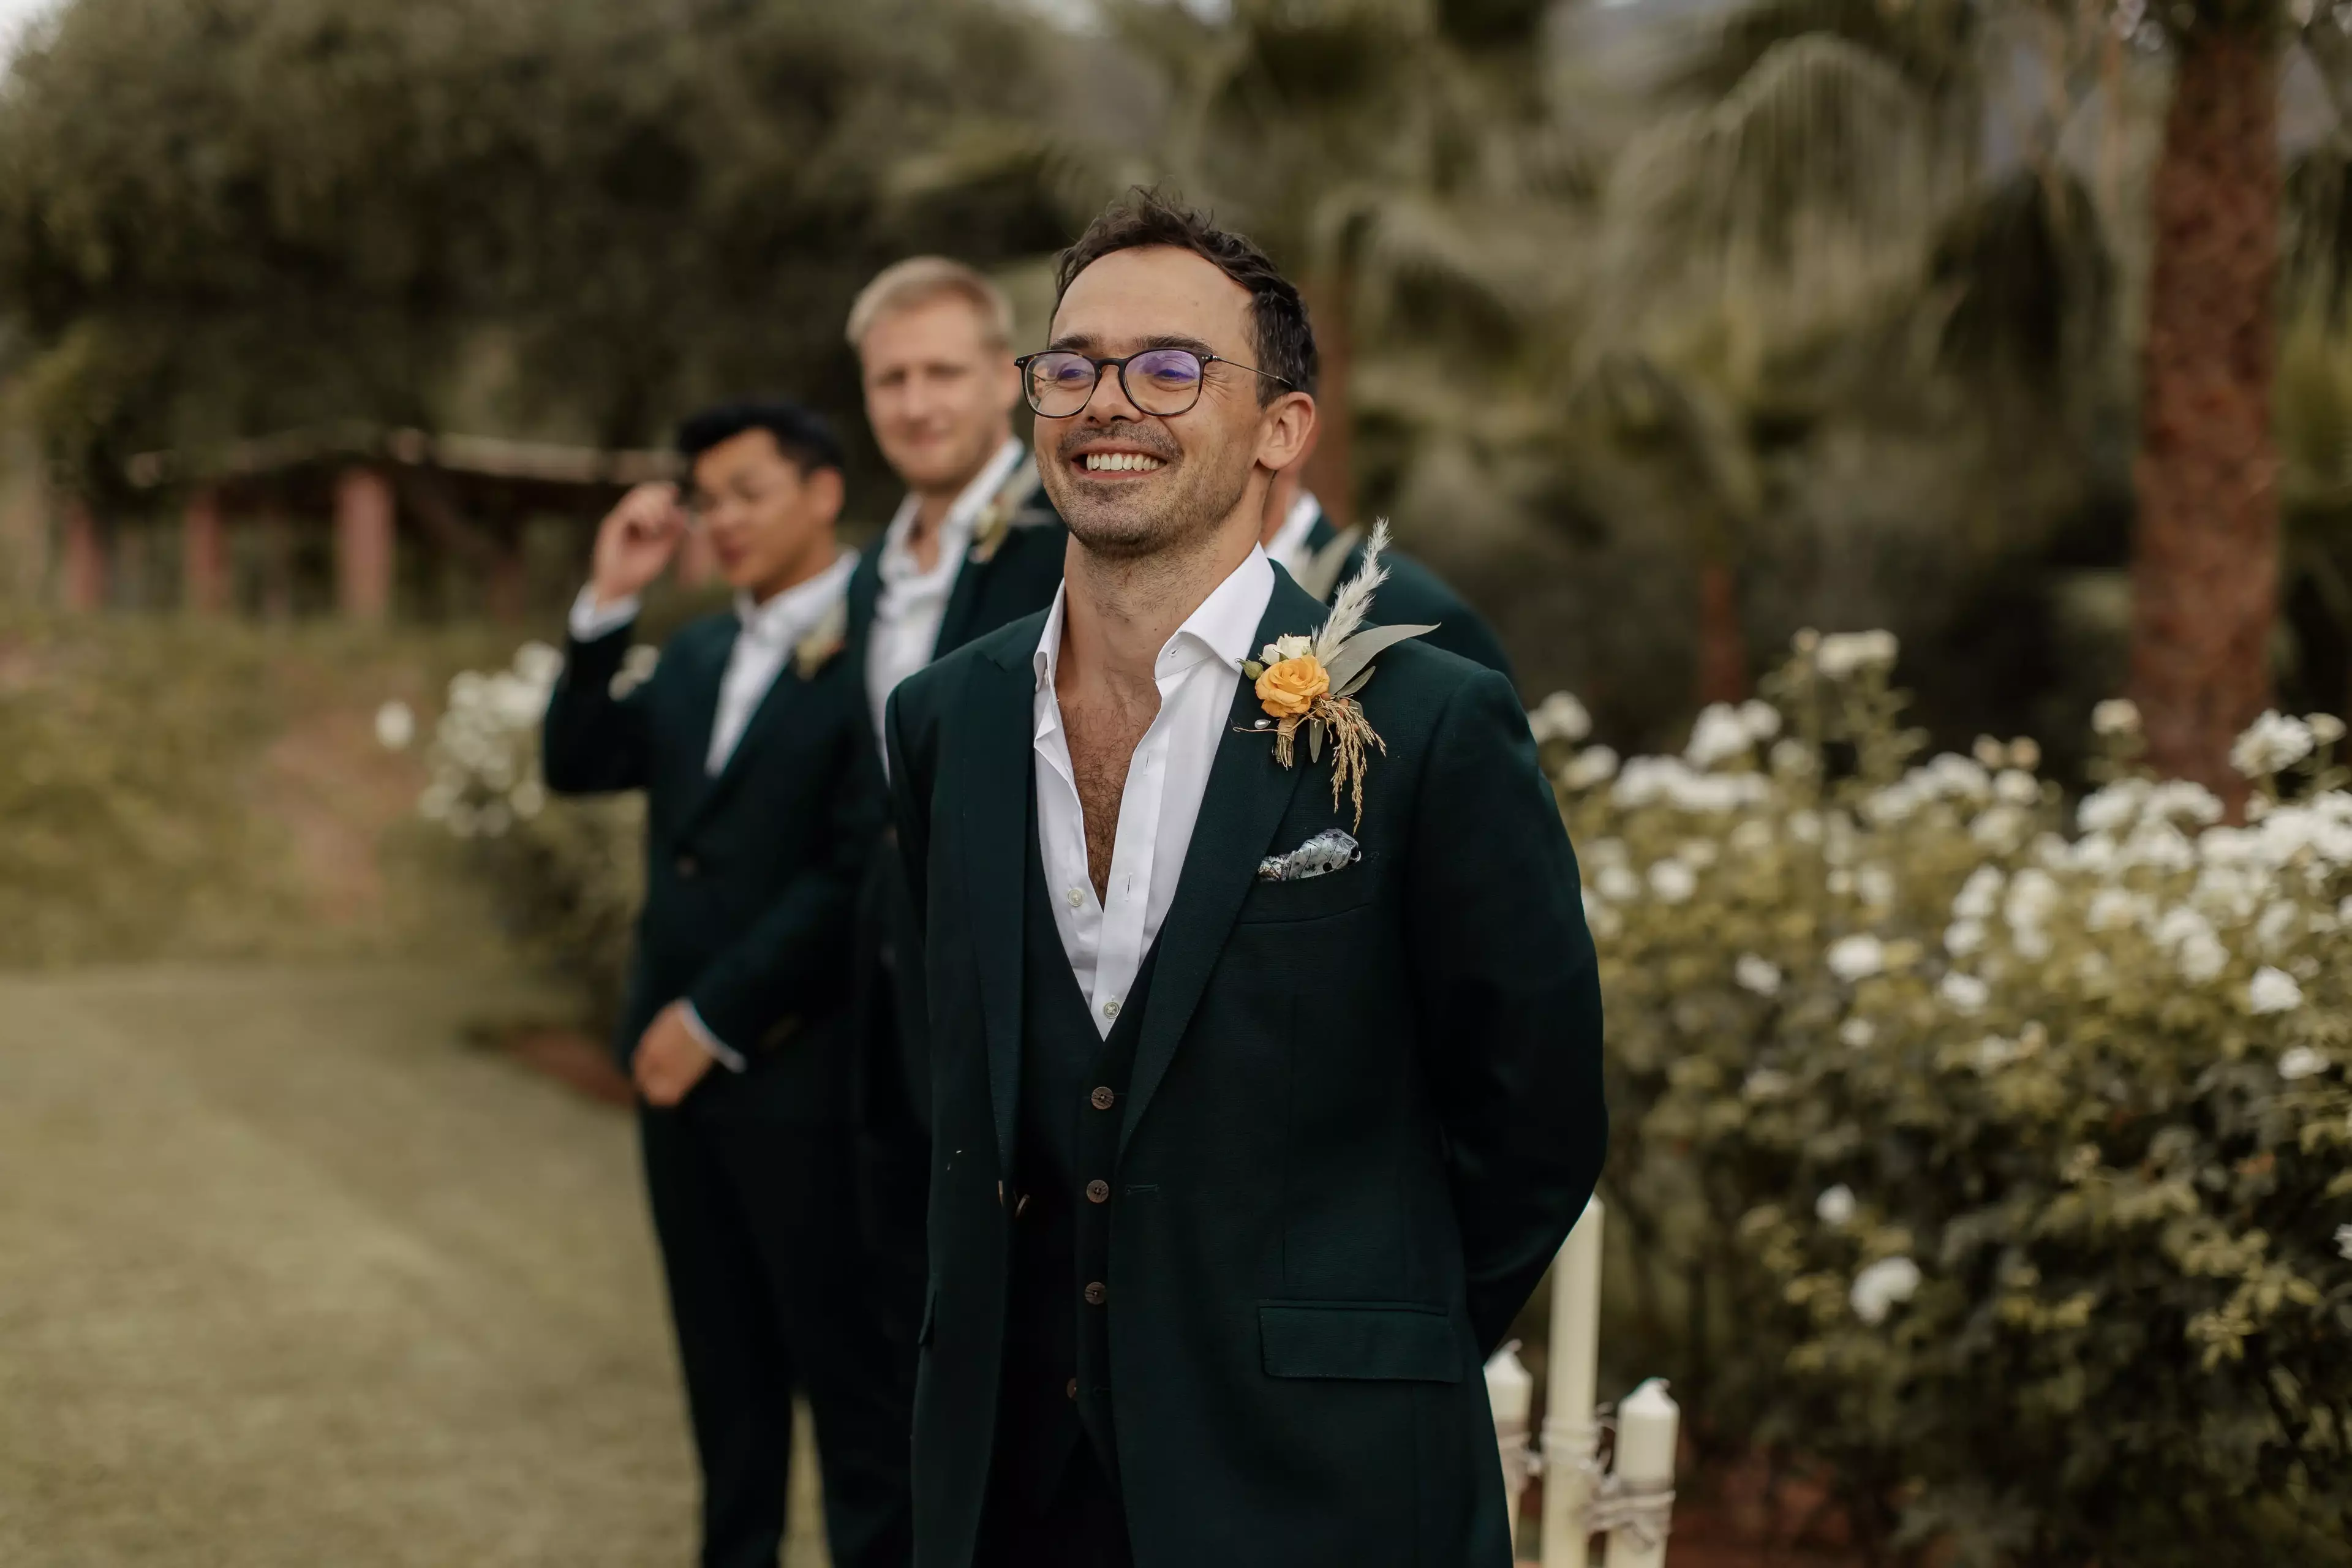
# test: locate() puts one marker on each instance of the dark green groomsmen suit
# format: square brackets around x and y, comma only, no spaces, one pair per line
[1018,577]
[750,882]
[1286,1217]
[1416,596]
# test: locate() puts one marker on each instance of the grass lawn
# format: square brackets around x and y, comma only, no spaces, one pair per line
[290,1275]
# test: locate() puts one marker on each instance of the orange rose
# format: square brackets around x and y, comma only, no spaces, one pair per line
[1288,690]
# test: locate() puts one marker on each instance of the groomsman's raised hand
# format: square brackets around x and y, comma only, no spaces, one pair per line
[637,540]
[669,1062]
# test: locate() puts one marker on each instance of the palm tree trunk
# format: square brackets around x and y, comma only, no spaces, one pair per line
[1722,642]
[1330,466]
[2205,553]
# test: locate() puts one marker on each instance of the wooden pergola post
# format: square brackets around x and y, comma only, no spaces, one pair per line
[82,560]
[203,554]
[364,545]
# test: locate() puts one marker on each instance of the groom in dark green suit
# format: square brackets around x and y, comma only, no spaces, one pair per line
[1262,1103]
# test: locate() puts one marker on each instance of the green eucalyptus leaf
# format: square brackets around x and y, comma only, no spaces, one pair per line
[1360,650]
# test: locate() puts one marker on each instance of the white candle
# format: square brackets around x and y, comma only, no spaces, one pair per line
[1511,1392]
[1647,1422]
[1568,1437]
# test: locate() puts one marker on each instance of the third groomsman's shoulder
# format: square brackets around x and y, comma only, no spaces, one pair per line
[1415,595]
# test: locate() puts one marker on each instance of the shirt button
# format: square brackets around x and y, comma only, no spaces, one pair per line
[1102,1099]
[1096,1293]
[1097,1191]
[1110,1008]
[1076,897]
[1070,1389]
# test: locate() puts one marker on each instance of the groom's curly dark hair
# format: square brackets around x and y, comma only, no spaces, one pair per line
[1286,339]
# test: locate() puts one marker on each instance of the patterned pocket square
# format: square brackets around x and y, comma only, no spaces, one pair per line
[1328,851]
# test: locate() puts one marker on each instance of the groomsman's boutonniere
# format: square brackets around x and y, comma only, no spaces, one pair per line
[1313,680]
[825,639]
[995,519]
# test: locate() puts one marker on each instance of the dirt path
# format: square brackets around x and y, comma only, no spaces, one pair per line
[291,1275]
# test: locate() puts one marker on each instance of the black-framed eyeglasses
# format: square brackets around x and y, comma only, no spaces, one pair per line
[1161,382]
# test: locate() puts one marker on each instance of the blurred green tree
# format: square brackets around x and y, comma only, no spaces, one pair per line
[558,218]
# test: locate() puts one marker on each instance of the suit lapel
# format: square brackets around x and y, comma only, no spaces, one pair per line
[782,692]
[1247,796]
[963,600]
[993,813]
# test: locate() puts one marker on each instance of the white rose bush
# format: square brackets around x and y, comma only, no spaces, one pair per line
[567,875]
[1991,1154]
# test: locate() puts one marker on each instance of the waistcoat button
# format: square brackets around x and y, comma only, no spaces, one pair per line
[1070,1389]
[1097,1192]
[1102,1099]
[1096,1293]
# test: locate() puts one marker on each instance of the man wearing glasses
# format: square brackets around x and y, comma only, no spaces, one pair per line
[1262,1103]
[753,744]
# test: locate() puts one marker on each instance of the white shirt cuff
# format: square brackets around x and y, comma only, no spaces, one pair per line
[726,1055]
[589,621]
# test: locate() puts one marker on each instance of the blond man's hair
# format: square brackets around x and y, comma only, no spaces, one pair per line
[918,280]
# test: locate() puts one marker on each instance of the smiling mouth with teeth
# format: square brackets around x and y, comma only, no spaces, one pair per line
[1123,463]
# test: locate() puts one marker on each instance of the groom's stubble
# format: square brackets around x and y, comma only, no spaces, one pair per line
[1128,525]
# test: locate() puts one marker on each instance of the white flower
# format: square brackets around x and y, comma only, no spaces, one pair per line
[1763,719]
[1978,895]
[1878,1288]
[1962,938]
[2326,729]
[1960,776]
[1805,827]
[1999,828]
[2113,807]
[1857,1033]
[395,726]
[1673,881]
[1965,992]
[1718,736]
[1766,1083]
[2115,716]
[1752,837]
[1846,654]
[1791,758]
[2202,957]
[2032,894]
[1760,975]
[1559,717]
[528,798]
[1293,644]
[2025,752]
[2300,1062]
[2184,797]
[2344,1241]
[2278,923]
[1698,854]
[1876,885]
[1593,765]
[538,663]
[1835,1205]
[1857,957]
[2114,906]
[2270,744]
[2272,991]
[1617,884]
[2017,788]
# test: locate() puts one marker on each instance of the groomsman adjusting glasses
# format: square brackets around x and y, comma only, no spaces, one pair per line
[974,544]
[753,745]
[1266,1028]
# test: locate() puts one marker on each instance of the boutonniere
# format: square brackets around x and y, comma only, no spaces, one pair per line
[825,639]
[995,520]
[1311,680]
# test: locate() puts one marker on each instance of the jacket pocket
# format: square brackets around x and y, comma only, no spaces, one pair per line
[1366,1340]
[1307,898]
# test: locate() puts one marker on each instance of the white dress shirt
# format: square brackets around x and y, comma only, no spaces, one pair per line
[769,634]
[913,601]
[1289,548]
[1105,938]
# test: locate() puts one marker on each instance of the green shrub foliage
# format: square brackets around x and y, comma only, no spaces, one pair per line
[2008,1142]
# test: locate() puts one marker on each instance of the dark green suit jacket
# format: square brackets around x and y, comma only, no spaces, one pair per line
[749,877]
[1416,596]
[1366,1110]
